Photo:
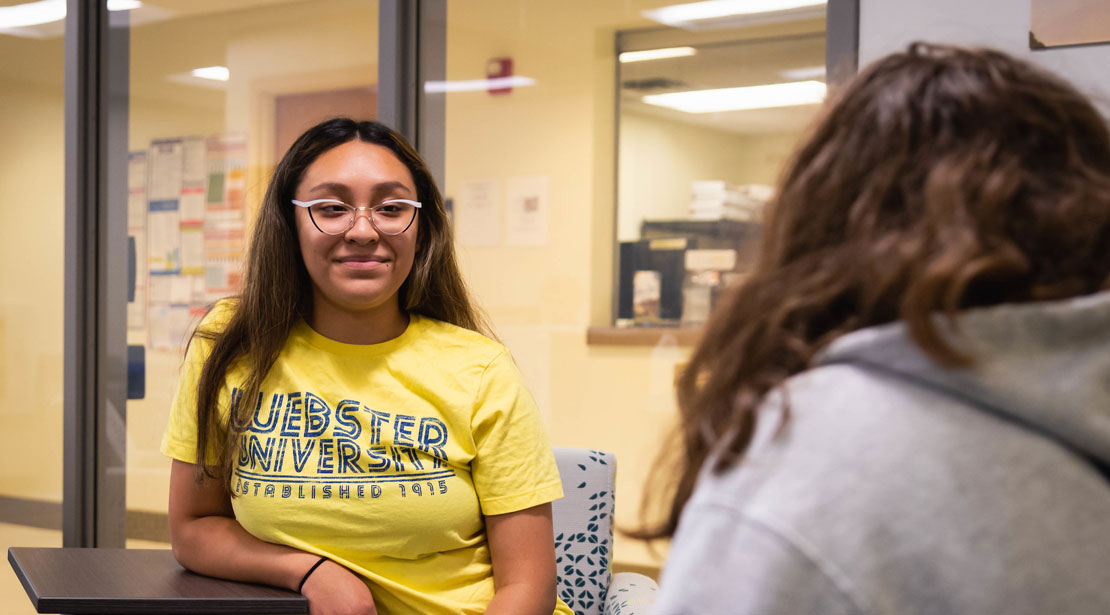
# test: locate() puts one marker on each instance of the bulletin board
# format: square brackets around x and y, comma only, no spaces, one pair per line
[186,220]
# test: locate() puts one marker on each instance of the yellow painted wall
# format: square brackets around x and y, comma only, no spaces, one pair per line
[660,157]
[32,254]
[542,299]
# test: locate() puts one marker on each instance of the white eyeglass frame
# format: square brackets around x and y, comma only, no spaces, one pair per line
[308,204]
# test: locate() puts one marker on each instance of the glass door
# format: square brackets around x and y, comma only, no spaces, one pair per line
[217,92]
[32,249]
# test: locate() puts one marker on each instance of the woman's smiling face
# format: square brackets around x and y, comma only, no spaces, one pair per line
[359,271]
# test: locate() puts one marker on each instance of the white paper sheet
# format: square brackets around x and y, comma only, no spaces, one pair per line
[527,219]
[478,213]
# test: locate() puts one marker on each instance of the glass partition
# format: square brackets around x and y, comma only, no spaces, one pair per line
[218,91]
[32,250]
[707,119]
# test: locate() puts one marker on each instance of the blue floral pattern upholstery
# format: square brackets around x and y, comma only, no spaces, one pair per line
[583,521]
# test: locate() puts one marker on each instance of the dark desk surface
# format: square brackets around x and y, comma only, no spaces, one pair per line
[135,582]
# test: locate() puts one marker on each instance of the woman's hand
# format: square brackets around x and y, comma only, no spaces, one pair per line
[207,539]
[331,589]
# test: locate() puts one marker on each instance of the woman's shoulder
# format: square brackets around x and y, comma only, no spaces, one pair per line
[219,314]
[451,339]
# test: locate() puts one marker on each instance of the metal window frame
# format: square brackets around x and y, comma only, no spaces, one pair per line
[79,364]
[841,63]
[841,40]
[412,50]
[95,359]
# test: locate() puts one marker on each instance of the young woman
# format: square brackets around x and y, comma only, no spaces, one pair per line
[342,428]
[906,407]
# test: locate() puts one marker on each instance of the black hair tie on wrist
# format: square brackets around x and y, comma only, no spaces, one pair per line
[309,573]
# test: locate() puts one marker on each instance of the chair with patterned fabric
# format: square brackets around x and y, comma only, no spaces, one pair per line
[584,539]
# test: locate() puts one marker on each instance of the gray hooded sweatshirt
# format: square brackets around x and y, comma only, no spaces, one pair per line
[900,487]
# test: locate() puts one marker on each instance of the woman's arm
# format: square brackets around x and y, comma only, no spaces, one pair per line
[207,539]
[522,547]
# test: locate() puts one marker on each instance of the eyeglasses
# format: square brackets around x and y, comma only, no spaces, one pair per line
[334,217]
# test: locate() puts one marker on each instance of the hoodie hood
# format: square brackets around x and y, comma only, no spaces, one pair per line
[1045,365]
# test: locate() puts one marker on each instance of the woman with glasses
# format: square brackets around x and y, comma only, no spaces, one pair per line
[343,427]
[905,408]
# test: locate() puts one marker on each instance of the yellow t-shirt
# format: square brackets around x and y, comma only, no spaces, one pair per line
[384,457]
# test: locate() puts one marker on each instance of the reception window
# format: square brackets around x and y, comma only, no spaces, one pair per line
[708,113]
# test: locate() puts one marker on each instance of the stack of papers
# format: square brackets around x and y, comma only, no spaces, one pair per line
[720,200]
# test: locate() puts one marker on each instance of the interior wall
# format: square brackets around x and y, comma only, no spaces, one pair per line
[887,26]
[32,249]
[660,157]
[542,299]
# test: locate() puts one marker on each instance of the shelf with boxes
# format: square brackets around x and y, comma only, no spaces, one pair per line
[674,274]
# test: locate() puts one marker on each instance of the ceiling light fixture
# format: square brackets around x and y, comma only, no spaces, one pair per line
[477,85]
[731,13]
[215,73]
[47,11]
[123,5]
[656,54]
[739,99]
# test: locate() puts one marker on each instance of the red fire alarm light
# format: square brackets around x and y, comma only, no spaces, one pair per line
[499,69]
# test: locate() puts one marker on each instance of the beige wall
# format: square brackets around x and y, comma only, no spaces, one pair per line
[542,299]
[32,251]
[32,261]
[887,26]
[660,157]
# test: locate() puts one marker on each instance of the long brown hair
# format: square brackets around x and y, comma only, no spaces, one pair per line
[277,289]
[939,179]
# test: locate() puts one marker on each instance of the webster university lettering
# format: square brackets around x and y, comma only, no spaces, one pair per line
[298,438]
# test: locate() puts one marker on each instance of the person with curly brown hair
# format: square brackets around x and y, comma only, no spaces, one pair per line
[906,407]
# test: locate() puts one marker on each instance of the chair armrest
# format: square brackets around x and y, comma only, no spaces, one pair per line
[630,593]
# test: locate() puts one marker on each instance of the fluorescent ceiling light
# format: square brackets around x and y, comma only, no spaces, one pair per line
[688,15]
[738,99]
[656,54]
[800,74]
[32,13]
[123,5]
[47,11]
[473,85]
[215,73]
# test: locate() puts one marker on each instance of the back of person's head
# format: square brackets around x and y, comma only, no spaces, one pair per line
[938,179]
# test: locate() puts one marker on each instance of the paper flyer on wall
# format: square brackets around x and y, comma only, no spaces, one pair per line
[169,326]
[225,214]
[527,206]
[193,180]
[193,175]
[191,220]
[164,183]
[478,213]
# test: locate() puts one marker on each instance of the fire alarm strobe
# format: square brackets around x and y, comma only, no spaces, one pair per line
[498,71]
